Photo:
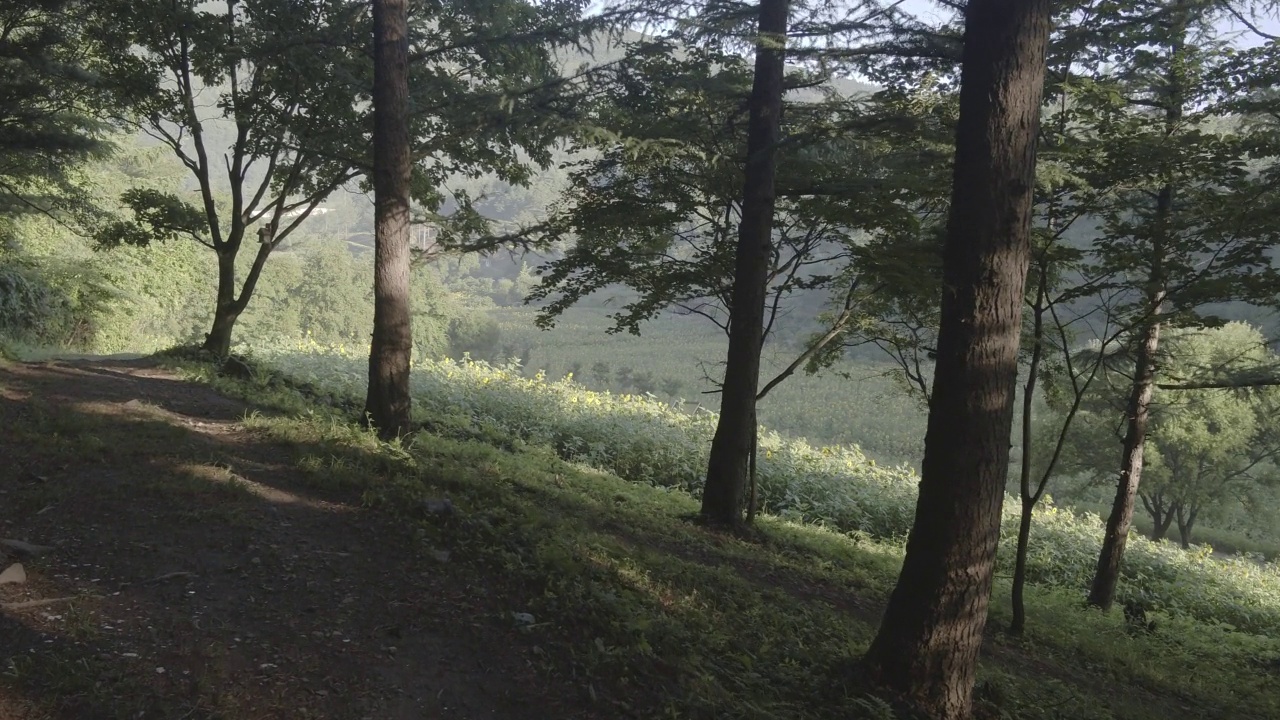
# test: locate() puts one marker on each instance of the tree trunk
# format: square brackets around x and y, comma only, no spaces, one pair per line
[1161,515]
[226,311]
[1186,520]
[387,405]
[927,648]
[1029,497]
[1161,529]
[1019,623]
[1107,575]
[727,469]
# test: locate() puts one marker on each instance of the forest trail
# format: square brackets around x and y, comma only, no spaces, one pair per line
[191,576]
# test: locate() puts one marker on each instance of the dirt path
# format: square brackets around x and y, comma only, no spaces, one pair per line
[207,584]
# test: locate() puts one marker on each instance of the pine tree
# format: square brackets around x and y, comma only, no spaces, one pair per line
[48,96]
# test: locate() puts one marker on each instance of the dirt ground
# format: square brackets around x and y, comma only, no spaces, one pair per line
[190,576]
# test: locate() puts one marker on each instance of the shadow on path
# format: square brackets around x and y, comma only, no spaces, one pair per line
[206,583]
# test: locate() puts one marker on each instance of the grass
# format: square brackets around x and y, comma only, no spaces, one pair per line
[1225,541]
[825,408]
[654,616]
[646,441]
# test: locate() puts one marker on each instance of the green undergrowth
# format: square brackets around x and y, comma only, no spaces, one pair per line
[1226,542]
[647,441]
[654,616]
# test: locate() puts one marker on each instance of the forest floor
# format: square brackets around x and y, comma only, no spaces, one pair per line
[206,580]
[207,557]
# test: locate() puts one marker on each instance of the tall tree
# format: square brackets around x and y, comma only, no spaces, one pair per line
[735,437]
[927,647]
[387,405]
[660,208]
[1190,224]
[1055,371]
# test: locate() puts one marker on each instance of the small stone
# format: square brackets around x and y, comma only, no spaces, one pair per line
[523,618]
[14,574]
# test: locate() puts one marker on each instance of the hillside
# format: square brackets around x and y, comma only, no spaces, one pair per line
[218,558]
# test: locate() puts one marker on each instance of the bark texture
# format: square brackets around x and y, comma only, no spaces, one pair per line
[927,648]
[1138,414]
[734,440]
[387,405]
[225,311]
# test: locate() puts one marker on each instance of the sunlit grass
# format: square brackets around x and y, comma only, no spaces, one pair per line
[627,594]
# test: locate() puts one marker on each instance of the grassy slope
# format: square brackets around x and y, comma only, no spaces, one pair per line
[650,613]
[825,409]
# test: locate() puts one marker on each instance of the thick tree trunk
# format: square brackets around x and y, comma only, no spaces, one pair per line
[927,647]
[226,310]
[1107,574]
[218,339]
[727,469]
[387,405]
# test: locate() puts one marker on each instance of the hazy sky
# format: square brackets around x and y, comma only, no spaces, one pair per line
[1269,25]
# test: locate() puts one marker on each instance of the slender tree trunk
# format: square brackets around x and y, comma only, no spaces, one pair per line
[1018,625]
[727,469]
[1186,520]
[226,310]
[1107,575]
[927,648]
[387,405]
[1161,515]
[1138,411]
[1029,496]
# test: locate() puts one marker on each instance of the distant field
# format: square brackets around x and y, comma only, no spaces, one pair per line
[866,409]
